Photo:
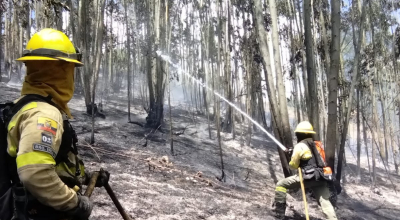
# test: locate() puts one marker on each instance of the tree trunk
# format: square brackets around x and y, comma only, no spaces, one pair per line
[128,64]
[204,61]
[365,133]
[351,91]
[311,73]
[293,66]
[287,135]
[98,54]
[83,31]
[276,114]
[303,60]
[228,74]
[375,80]
[358,137]
[156,79]
[333,85]
[1,41]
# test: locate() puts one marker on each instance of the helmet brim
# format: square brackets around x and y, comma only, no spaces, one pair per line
[28,58]
[305,131]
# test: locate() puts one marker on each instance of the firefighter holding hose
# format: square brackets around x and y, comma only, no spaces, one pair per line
[310,157]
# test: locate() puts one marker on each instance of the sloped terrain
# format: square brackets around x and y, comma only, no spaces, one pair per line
[173,188]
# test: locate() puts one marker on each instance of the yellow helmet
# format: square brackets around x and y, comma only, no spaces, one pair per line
[304,127]
[50,44]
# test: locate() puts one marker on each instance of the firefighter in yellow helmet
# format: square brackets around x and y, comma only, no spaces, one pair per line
[48,173]
[305,156]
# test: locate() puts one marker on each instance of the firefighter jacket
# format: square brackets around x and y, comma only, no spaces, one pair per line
[35,135]
[301,152]
[34,138]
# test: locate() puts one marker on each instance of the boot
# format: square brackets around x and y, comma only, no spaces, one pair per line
[279,210]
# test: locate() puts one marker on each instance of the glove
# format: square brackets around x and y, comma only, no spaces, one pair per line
[289,151]
[83,210]
[102,180]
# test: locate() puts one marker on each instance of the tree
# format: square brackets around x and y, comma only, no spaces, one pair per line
[333,85]
[313,113]
[277,116]
[351,91]
[128,49]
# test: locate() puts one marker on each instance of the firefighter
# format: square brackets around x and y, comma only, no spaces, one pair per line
[48,171]
[302,156]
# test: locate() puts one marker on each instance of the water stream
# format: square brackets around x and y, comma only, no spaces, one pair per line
[180,71]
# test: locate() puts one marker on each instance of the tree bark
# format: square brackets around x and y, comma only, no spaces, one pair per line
[228,74]
[358,137]
[98,54]
[128,49]
[313,112]
[333,85]
[365,133]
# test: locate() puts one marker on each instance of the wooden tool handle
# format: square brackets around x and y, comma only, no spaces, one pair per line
[92,184]
[304,193]
[121,210]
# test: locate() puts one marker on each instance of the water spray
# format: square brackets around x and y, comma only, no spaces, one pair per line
[176,66]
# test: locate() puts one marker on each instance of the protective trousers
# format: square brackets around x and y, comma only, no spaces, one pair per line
[319,188]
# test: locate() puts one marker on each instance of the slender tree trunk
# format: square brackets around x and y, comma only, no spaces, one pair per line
[333,85]
[276,114]
[7,41]
[365,133]
[249,96]
[287,137]
[293,66]
[304,59]
[311,73]
[228,74]
[128,49]
[218,101]
[99,36]
[375,80]
[1,42]
[351,91]
[358,137]
[151,64]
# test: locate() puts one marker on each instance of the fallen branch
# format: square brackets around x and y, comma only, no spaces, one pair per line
[136,123]
[177,133]
[88,145]
[247,175]
[199,175]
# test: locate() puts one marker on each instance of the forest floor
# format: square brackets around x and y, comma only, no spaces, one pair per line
[174,190]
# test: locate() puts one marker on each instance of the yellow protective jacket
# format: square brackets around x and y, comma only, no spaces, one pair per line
[35,134]
[34,138]
[300,152]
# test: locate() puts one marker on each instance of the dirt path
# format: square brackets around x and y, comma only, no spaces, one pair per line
[174,192]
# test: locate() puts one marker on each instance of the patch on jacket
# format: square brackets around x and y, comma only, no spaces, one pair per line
[44,148]
[47,139]
[47,124]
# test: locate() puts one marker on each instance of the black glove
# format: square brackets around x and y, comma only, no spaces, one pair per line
[102,180]
[83,210]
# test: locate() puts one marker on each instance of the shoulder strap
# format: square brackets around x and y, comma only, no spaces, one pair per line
[9,113]
[318,159]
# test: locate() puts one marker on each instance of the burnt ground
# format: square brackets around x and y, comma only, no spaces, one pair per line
[173,190]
